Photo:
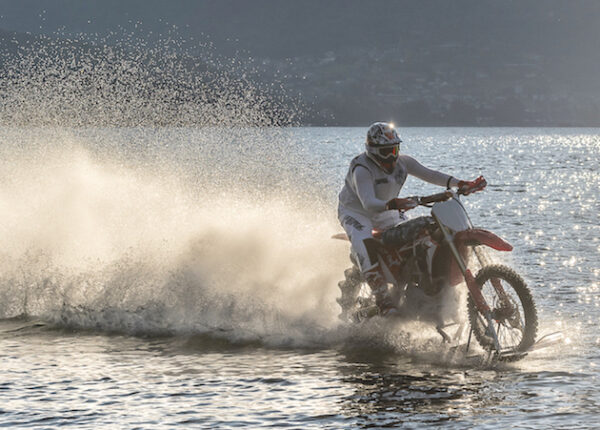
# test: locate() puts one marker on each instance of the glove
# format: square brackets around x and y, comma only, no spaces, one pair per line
[468,187]
[401,204]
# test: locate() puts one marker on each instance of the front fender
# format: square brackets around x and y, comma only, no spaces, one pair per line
[477,236]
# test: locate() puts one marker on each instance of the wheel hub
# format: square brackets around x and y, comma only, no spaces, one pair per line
[506,312]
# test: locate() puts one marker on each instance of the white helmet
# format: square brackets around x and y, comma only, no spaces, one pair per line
[383,145]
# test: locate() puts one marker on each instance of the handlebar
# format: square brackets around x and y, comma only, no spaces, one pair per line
[434,198]
[442,197]
[405,204]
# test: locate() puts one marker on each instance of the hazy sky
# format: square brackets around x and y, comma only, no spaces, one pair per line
[281,28]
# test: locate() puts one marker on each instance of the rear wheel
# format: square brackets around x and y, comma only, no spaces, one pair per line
[356,300]
[349,287]
[513,311]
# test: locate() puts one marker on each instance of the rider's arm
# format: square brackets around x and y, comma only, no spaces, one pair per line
[366,190]
[414,168]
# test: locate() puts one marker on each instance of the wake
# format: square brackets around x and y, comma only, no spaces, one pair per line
[91,243]
[142,192]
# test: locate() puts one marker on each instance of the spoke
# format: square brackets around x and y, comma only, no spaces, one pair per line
[514,338]
[482,321]
[514,335]
[499,334]
[501,292]
[508,336]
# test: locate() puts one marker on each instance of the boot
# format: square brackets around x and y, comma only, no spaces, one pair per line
[379,287]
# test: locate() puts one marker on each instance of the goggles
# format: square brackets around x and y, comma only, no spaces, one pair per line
[386,151]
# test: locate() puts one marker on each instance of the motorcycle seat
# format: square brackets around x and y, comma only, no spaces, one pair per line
[405,232]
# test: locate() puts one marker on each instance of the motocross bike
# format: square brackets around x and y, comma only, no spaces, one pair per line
[423,257]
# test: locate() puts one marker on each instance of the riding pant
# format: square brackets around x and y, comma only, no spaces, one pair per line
[359,228]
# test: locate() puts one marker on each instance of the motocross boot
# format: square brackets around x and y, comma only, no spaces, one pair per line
[394,263]
[380,290]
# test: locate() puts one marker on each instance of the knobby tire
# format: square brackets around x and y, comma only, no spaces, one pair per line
[510,279]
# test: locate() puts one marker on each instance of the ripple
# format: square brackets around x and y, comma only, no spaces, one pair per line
[295,374]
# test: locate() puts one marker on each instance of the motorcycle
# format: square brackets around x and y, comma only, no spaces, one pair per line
[424,257]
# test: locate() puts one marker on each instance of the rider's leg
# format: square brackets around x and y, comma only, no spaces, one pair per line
[358,228]
[379,287]
[366,252]
[374,275]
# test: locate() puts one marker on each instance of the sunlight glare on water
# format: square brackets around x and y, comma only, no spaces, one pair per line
[236,268]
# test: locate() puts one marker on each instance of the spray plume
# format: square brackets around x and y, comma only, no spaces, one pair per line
[142,191]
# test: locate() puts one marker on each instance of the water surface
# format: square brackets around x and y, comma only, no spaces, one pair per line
[164,278]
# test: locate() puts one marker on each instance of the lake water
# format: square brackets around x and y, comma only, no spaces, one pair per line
[160,278]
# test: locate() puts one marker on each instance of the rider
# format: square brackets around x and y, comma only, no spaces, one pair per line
[369,199]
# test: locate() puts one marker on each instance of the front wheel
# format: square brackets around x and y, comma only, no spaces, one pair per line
[513,310]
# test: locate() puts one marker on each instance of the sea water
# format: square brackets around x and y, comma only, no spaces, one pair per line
[165,277]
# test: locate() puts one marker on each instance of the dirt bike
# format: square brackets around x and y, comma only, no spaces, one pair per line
[423,257]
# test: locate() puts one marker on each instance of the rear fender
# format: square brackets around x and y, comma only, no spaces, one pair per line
[477,236]
[340,236]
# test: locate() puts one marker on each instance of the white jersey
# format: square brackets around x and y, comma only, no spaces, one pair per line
[380,187]
[368,188]
[366,191]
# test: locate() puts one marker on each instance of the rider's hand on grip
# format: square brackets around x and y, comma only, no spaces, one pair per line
[468,187]
[401,204]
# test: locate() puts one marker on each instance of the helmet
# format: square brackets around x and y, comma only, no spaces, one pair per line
[383,145]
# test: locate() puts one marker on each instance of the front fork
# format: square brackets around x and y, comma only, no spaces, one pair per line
[474,289]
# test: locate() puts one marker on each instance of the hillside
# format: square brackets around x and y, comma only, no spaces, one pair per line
[349,62]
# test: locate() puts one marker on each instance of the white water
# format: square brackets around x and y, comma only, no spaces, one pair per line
[92,241]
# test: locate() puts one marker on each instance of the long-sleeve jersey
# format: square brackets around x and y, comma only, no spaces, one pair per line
[368,188]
